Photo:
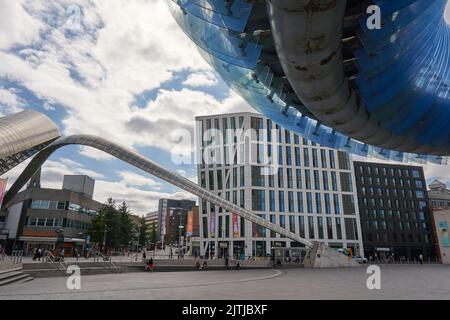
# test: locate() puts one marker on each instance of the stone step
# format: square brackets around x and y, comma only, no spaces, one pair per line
[27,279]
[10,270]
[10,274]
[15,278]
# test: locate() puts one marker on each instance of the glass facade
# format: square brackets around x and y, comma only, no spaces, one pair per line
[303,195]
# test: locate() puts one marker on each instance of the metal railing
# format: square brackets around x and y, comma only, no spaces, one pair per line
[16,257]
[50,258]
[108,260]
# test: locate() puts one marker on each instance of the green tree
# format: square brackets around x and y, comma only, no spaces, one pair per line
[153,236]
[143,232]
[126,224]
[116,222]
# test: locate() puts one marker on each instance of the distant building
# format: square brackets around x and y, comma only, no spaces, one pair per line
[395,212]
[164,208]
[442,221]
[80,184]
[151,219]
[175,226]
[439,195]
[34,215]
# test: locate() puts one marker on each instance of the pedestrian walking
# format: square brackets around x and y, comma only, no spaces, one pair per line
[421,258]
[39,254]
[144,255]
[44,255]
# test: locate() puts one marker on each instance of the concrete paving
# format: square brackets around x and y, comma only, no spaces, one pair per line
[397,282]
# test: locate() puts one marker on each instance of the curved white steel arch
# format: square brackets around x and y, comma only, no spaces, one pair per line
[148,166]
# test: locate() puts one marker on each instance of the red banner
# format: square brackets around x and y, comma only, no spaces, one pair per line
[235,225]
[2,190]
[190,224]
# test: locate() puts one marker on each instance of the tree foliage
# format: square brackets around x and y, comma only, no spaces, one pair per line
[117,224]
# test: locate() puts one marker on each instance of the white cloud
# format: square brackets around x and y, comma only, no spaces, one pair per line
[140,201]
[201,79]
[10,101]
[95,154]
[131,188]
[121,50]
[136,180]
[17,27]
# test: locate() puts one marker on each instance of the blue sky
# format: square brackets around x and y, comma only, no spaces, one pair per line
[121,69]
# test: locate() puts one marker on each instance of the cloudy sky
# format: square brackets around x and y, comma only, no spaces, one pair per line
[120,69]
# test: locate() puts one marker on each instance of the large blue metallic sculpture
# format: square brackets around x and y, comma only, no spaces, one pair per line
[314,67]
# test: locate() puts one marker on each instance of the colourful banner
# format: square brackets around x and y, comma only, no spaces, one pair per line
[212,224]
[235,225]
[190,224]
[3,183]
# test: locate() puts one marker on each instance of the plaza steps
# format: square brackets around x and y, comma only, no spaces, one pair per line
[13,276]
[47,270]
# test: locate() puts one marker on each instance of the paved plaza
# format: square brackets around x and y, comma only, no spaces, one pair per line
[397,282]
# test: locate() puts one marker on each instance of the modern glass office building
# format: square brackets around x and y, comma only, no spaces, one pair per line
[396,216]
[303,187]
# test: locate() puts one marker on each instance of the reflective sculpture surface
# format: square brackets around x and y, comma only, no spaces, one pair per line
[314,67]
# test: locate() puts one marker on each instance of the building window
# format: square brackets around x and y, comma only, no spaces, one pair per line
[334,181]
[289,178]
[291,201]
[297,157]
[318,203]
[337,209]
[316,180]
[315,158]
[320,226]
[306,157]
[348,204]
[309,204]
[329,228]
[258,177]
[344,160]
[308,179]
[298,173]
[272,200]
[327,203]
[300,202]
[292,224]
[281,201]
[258,200]
[332,160]
[242,169]
[326,186]
[311,227]
[288,156]
[301,223]
[338,229]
